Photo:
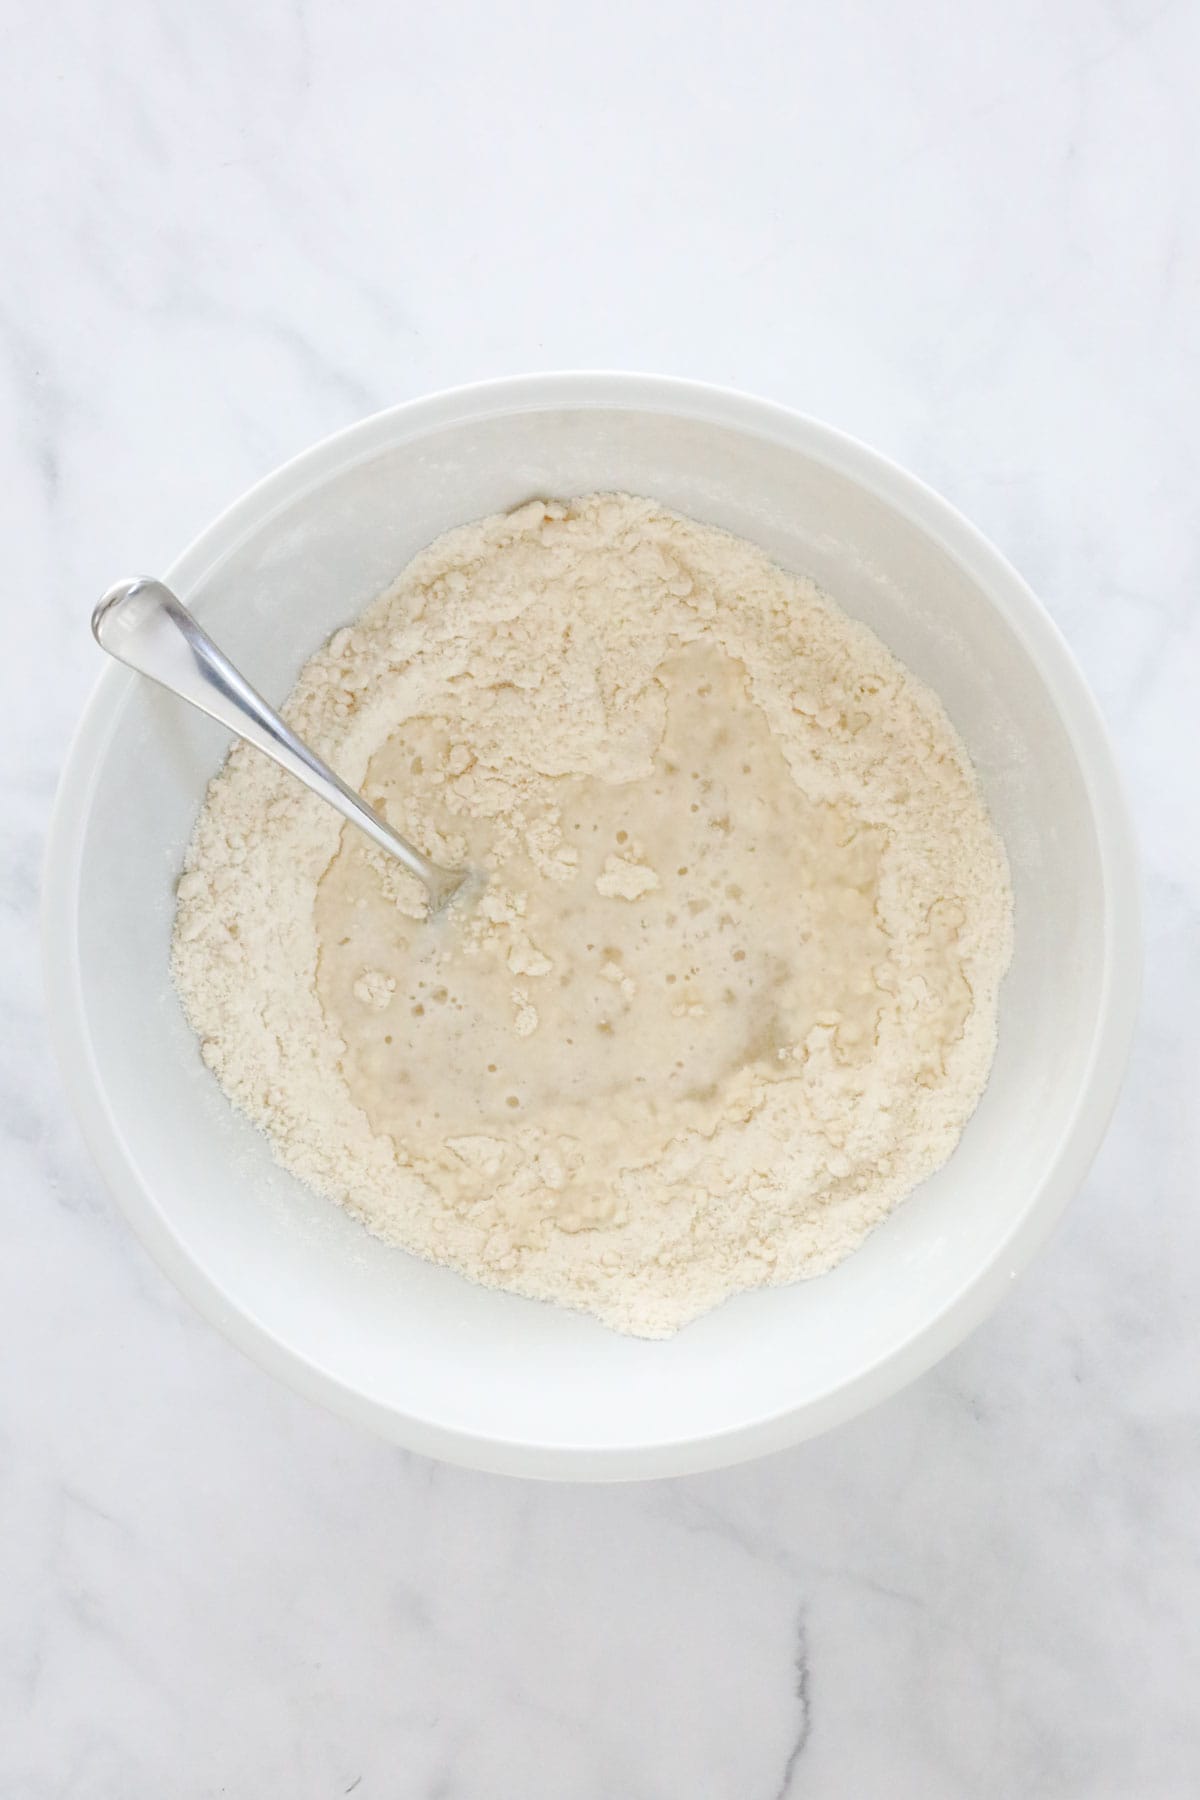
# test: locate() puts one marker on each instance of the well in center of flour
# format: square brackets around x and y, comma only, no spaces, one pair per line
[701,919]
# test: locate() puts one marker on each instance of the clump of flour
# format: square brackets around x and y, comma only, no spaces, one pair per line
[730,990]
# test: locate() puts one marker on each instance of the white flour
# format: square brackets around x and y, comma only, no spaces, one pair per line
[730,991]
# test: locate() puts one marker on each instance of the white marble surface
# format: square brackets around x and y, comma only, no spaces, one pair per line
[967,235]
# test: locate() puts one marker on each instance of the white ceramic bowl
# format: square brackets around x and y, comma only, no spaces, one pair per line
[415,1351]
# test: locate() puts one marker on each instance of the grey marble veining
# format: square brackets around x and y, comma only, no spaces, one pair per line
[968,236]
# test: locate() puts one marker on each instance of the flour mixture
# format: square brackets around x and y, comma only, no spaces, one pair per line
[730,990]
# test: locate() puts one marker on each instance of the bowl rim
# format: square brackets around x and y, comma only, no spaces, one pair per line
[1079,714]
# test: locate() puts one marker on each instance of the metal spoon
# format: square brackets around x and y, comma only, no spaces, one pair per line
[143,624]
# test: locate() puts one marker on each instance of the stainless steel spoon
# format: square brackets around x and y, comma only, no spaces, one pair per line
[143,624]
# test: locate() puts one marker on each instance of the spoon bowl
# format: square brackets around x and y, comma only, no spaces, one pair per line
[147,627]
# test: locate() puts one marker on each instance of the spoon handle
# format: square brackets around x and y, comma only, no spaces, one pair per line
[144,625]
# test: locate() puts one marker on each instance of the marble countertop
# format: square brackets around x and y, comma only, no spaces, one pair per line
[969,237]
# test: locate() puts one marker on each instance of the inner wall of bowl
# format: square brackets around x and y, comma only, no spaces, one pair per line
[417,1340]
